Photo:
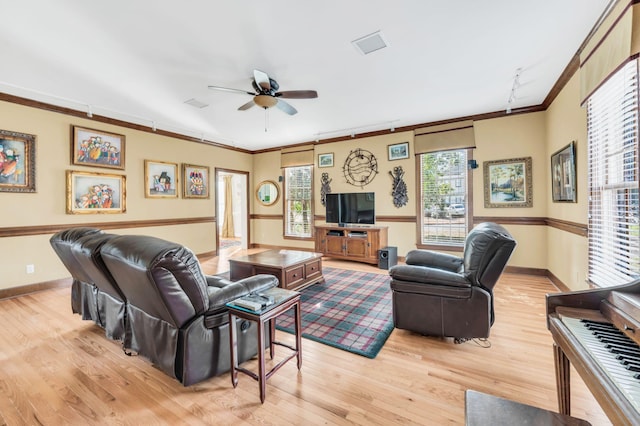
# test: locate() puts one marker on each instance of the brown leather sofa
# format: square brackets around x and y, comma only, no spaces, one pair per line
[174,314]
[439,294]
[83,290]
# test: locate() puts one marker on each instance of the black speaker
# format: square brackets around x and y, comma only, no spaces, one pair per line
[387,257]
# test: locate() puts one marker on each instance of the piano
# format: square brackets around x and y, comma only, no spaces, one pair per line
[598,332]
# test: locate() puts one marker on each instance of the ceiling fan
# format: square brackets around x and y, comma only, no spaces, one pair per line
[266,94]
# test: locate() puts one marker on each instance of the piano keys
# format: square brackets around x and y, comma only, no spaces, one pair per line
[618,355]
[598,332]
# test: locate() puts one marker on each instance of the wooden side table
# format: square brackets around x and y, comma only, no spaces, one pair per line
[283,301]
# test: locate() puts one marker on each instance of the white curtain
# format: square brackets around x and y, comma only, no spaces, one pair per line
[227,223]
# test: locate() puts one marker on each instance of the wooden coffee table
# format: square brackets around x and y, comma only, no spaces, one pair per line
[294,269]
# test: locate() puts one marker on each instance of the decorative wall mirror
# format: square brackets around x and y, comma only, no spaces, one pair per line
[267,192]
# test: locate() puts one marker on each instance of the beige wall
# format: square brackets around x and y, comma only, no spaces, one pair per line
[48,205]
[567,254]
[501,138]
[535,135]
[508,137]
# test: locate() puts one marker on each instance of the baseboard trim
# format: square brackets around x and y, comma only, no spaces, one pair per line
[527,271]
[33,288]
[558,282]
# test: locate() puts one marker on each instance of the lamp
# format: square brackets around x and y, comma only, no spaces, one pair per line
[265,101]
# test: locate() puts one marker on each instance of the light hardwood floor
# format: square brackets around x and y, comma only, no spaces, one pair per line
[57,369]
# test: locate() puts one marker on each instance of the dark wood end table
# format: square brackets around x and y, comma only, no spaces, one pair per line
[283,301]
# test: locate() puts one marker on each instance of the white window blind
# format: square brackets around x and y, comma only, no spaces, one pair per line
[612,127]
[298,214]
[443,183]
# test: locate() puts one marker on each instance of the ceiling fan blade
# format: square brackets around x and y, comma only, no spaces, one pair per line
[246,106]
[227,89]
[262,79]
[282,105]
[297,94]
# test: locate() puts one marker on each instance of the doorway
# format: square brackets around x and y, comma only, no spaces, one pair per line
[232,211]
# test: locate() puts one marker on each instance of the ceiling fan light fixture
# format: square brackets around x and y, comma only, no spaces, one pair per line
[265,101]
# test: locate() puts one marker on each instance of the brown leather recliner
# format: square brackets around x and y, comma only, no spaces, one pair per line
[109,301]
[177,315]
[439,294]
[83,292]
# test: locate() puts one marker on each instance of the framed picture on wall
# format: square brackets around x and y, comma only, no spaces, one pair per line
[325,160]
[507,183]
[563,174]
[398,151]
[93,193]
[90,147]
[195,180]
[17,162]
[160,179]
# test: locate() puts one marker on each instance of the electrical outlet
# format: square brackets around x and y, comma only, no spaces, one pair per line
[31,269]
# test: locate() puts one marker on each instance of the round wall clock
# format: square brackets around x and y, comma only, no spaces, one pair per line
[360,167]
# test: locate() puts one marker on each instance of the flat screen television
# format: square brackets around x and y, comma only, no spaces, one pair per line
[351,208]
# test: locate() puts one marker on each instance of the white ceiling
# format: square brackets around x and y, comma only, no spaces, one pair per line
[139,60]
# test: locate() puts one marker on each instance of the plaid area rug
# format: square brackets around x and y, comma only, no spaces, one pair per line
[226,243]
[350,311]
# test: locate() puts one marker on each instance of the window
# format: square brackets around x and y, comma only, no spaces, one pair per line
[444,185]
[612,130]
[298,213]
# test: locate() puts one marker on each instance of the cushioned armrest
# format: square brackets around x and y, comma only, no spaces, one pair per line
[219,296]
[217,281]
[424,275]
[434,259]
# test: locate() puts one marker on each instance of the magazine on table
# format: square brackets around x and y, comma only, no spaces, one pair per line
[254,301]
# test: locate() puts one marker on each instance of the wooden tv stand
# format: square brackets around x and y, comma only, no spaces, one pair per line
[359,243]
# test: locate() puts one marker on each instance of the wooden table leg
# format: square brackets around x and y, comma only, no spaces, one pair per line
[262,380]
[233,337]
[272,335]
[298,329]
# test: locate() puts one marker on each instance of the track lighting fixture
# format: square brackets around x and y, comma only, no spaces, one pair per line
[514,87]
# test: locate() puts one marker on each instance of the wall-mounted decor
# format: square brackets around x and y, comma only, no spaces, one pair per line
[17,162]
[95,193]
[399,191]
[267,192]
[325,160]
[563,174]
[360,167]
[325,188]
[160,179]
[398,151]
[98,148]
[196,181]
[507,183]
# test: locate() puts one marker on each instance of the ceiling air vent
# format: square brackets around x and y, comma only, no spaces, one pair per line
[196,103]
[370,43]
